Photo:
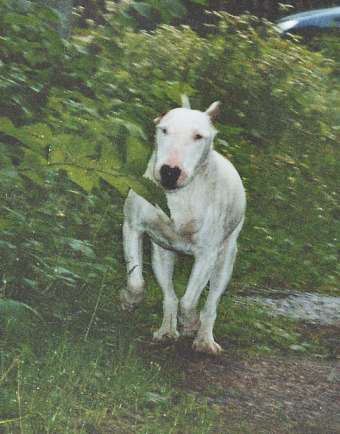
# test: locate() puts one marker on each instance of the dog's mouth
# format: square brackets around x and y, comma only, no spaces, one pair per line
[169,186]
[172,189]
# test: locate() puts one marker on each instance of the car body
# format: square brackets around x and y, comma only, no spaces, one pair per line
[311,22]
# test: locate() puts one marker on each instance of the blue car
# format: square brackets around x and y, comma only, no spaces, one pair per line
[311,22]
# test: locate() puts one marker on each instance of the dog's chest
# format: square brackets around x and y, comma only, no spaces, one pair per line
[187,229]
[186,217]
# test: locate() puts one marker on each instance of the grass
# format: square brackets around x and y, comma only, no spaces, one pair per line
[67,377]
[77,386]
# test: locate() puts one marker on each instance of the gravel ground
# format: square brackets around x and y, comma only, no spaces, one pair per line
[313,308]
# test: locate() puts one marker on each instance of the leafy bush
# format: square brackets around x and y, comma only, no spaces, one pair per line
[277,126]
[51,125]
[76,132]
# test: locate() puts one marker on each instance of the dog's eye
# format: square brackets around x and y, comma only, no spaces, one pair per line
[164,130]
[198,137]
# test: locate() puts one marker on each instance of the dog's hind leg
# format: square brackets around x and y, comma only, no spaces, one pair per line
[133,252]
[219,280]
[163,266]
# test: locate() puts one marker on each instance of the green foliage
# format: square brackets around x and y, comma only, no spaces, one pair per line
[328,45]
[278,125]
[148,14]
[17,320]
[89,128]
[32,55]
[250,327]
[36,78]
[167,10]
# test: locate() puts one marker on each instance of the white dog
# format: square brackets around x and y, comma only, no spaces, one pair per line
[207,204]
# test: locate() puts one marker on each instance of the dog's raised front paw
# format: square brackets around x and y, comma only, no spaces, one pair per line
[129,300]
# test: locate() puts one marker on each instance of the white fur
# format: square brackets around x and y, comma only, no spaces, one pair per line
[207,213]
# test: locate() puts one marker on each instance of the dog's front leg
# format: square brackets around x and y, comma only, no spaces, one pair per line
[133,251]
[140,217]
[200,275]
[163,266]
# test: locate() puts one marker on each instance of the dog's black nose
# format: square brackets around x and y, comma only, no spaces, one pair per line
[169,176]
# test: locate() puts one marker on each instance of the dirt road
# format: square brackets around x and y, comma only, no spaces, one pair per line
[260,394]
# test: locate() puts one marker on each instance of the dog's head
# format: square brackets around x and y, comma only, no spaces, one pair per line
[184,138]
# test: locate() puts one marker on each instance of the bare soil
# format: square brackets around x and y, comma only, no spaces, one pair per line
[261,393]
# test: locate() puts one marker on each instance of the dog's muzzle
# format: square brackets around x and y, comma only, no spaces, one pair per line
[169,176]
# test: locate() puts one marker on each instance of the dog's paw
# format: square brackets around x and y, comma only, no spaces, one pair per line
[129,300]
[207,346]
[163,335]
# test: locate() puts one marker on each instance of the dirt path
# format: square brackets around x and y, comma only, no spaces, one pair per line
[270,395]
[262,394]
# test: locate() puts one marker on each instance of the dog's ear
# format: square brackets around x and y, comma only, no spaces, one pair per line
[185,102]
[213,111]
[158,118]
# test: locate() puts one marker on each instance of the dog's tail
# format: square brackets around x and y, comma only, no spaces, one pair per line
[185,101]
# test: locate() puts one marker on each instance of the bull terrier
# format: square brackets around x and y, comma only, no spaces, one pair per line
[207,202]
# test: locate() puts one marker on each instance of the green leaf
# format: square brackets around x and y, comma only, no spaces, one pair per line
[150,192]
[56,155]
[4,224]
[6,244]
[12,308]
[82,247]
[142,186]
[142,8]
[32,166]
[65,272]
[37,135]
[137,155]
[109,159]
[6,126]
[73,146]
[171,8]
[84,178]
[119,182]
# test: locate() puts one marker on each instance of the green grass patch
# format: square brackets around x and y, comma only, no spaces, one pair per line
[61,379]
[76,386]
[248,326]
